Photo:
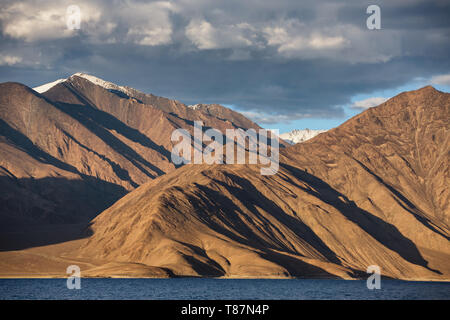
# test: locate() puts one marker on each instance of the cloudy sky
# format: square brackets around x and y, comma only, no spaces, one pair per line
[285,64]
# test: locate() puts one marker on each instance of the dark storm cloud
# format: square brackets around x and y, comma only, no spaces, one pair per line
[282,59]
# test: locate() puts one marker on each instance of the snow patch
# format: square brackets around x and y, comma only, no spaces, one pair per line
[97,81]
[102,83]
[298,135]
[45,87]
[194,106]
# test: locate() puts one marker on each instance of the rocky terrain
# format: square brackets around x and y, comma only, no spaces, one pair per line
[373,191]
[70,151]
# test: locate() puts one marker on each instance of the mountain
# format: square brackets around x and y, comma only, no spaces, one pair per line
[298,135]
[373,191]
[71,148]
[203,112]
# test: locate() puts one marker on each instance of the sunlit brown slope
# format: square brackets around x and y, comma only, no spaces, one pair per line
[39,178]
[371,192]
[69,153]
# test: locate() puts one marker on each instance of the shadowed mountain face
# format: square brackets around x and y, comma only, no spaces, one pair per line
[70,152]
[373,191]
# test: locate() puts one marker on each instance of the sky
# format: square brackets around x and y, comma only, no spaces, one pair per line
[284,64]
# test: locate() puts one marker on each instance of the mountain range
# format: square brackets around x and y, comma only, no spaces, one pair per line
[373,191]
[73,147]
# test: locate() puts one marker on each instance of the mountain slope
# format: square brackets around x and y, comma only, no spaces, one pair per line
[70,152]
[370,192]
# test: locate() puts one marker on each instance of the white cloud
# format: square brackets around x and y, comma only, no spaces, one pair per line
[318,41]
[201,33]
[345,42]
[42,20]
[149,23]
[150,36]
[9,60]
[368,103]
[205,36]
[209,27]
[144,23]
[443,79]
[314,42]
[292,38]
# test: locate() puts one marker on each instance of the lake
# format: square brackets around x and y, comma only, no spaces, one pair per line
[226,289]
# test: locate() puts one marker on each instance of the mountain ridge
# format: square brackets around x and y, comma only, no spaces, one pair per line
[372,191]
[342,201]
[80,131]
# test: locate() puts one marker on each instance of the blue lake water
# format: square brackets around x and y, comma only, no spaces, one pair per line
[227,289]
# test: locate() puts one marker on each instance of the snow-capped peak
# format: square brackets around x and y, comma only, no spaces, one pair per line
[102,83]
[299,135]
[194,106]
[47,86]
[97,81]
